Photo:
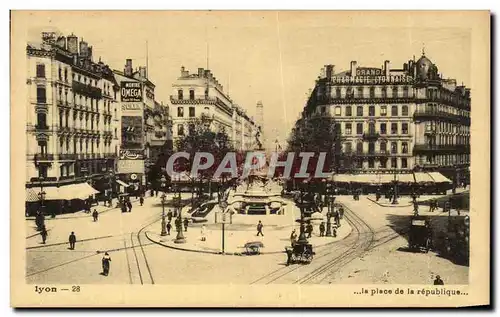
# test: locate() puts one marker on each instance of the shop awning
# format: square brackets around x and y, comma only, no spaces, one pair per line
[439,178]
[51,193]
[122,183]
[405,178]
[421,177]
[76,191]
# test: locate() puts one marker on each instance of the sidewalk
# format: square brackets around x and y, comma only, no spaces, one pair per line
[275,238]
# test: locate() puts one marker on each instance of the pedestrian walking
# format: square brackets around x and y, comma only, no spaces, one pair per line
[289,253]
[259,228]
[169,215]
[309,230]
[293,238]
[72,240]
[203,232]
[169,226]
[141,200]
[186,223]
[95,215]
[341,212]
[44,234]
[322,229]
[129,205]
[438,281]
[106,261]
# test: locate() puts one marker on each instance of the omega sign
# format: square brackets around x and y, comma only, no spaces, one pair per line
[131,91]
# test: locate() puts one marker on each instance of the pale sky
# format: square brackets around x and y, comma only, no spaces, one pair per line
[269,56]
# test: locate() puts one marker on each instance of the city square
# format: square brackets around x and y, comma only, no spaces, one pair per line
[133,177]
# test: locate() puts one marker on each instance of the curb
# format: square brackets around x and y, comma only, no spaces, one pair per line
[76,217]
[391,206]
[61,243]
[233,253]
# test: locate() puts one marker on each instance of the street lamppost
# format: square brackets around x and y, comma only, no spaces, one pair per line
[302,206]
[329,214]
[40,217]
[163,222]
[395,196]
[178,222]
[163,199]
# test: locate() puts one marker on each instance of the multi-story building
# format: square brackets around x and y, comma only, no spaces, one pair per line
[200,94]
[145,126]
[397,120]
[71,116]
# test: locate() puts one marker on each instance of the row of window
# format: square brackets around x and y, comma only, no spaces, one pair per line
[382,147]
[445,159]
[360,92]
[371,111]
[64,121]
[65,144]
[371,128]
[192,112]
[434,108]
[446,140]
[383,163]
[180,94]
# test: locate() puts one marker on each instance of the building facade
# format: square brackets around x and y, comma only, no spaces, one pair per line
[145,126]
[396,120]
[200,94]
[71,114]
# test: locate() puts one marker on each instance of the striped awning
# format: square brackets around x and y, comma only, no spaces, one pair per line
[439,178]
[51,193]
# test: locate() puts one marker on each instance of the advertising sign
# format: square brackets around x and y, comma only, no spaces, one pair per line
[365,71]
[131,109]
[131,91]
[130,166]
[132,134]
[131,154]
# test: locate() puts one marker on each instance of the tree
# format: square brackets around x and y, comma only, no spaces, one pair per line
[201,138]
[317,135]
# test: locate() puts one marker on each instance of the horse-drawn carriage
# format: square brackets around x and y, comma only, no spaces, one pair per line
[420,235]
[300,253]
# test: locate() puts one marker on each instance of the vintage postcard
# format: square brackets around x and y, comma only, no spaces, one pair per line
[250,158]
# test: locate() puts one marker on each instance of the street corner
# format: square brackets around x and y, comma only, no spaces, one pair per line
[242,242]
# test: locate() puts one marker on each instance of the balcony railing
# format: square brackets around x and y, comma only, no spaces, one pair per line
[87,90]
[67,156]
[44,157]
[429,114]
[425,148]
[371,135]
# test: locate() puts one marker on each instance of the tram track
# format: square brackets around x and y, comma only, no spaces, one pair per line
[354,245]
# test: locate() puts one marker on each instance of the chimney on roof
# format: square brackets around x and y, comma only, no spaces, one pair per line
[143,72]
[387,68]
[61,42]
[200,72]
[84,49]
[329,71]
[128,68]
[73,44]
[354,67]
[184,72]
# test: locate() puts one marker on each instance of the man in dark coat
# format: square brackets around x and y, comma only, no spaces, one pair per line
[259,228]
[129,205]
[289,252]
[322,229]
[169,226]
[438,281]
[95,215]
[186,222]
[309,230]
[44,234]
[72,240]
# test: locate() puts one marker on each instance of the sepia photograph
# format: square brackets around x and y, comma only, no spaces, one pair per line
[283,158]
